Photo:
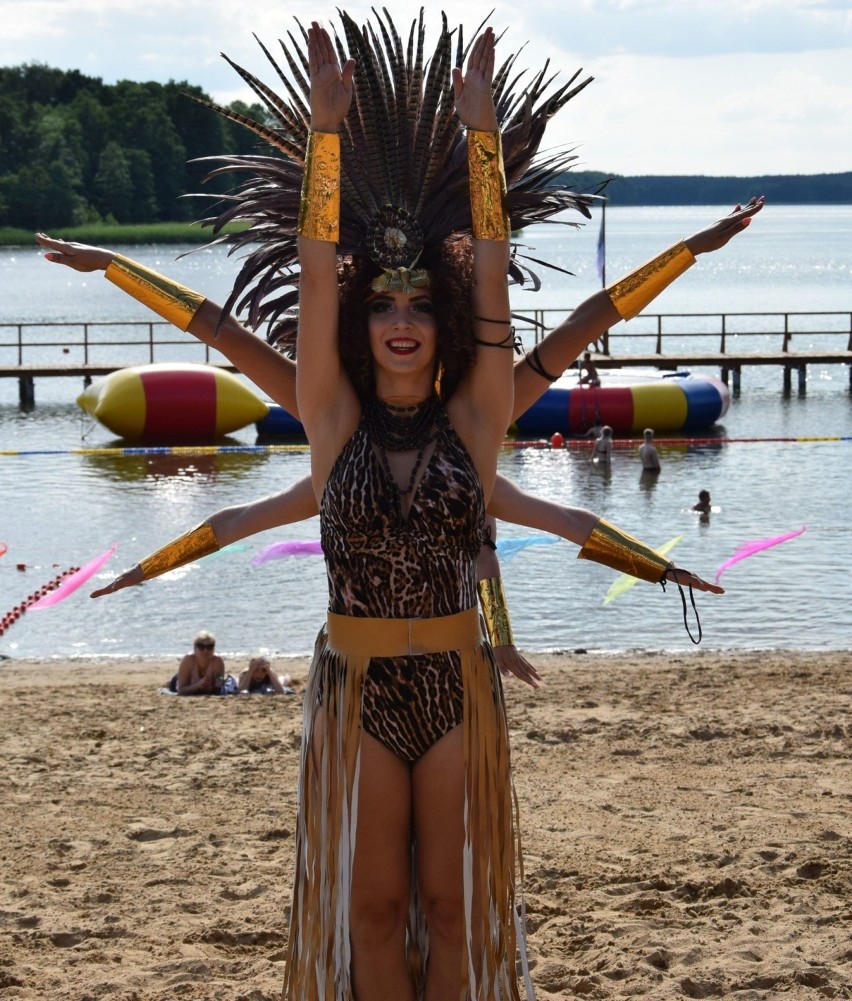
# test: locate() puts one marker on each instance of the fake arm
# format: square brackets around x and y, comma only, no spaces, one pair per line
[229,525]
[600,541]
[267,368]
[621,300]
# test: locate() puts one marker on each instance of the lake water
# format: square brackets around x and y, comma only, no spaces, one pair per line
[61,509]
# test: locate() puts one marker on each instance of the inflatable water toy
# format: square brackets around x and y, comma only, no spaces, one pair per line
[278,423]
[628,401]
[168,402]
[625,400]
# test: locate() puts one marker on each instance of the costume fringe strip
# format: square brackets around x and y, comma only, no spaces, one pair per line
[319,957]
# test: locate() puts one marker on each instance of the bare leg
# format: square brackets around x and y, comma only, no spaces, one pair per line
[381,879]
[439,828]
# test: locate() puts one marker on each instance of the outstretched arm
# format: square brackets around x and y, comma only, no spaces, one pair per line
[510,503]
[229,525]
[267,368]
[598,313]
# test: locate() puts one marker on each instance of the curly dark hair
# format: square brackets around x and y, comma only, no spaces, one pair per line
[451,274]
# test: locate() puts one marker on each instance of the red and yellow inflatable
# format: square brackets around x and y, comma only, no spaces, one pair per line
[165,403]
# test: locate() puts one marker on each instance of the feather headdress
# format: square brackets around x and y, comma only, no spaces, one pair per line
[404,183]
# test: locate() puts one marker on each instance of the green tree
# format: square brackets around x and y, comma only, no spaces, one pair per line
[38,198]
[113,184]
[140,120]
[92,117]
[144,205]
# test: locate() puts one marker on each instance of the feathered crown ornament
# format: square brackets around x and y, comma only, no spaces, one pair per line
[404,174]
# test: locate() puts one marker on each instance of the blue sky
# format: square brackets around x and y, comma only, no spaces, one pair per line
[711,86]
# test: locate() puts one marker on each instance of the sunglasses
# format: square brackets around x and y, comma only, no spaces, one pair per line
[205,646]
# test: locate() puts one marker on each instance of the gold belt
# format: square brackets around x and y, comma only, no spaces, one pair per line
[356,637]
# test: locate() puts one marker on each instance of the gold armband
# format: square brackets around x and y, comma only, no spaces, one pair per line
[175,303]
[609,545]
[187,548]
[492,601]
[319,205]
[487,179]
[632,293]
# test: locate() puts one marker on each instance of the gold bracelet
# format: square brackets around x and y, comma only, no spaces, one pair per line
[632,293]
[487,179]
[175,303]
[609,545]
[187,548]
[319,204]
[492,601]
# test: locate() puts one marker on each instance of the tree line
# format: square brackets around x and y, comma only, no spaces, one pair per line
[74,150]
[804,189]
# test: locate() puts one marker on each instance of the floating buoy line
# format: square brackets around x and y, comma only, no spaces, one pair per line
[559,443]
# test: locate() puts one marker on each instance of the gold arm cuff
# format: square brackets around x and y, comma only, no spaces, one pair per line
[187,548]
[492,600]
[609,545]
[487,179]
[632,293]
[175,303]
[319,204]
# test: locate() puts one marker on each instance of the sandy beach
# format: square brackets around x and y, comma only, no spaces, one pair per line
[687,826]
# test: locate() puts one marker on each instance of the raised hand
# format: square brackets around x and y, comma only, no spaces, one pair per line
[331,87]
[474,98]
[79,256]
[721,232]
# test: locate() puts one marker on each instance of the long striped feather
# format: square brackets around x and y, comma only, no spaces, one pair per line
[401,143]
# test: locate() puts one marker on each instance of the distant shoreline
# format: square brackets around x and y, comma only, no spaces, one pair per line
[680,189]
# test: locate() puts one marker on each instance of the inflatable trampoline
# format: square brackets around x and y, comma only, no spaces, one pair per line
[628,400]
[168,403]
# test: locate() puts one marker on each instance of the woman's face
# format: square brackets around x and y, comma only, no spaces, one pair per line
[259,669]
[204,651]
[403,333]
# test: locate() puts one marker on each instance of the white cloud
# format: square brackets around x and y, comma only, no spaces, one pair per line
[716,115]
[713,86]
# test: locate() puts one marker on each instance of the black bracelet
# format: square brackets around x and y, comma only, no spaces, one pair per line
[487,540]
[511,341]
[534,361]
[487,319]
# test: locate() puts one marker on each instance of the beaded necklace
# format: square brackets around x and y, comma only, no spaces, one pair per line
[402,429]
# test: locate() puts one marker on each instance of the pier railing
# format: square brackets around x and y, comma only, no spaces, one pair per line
[774,331]
[101,342]
[728,341]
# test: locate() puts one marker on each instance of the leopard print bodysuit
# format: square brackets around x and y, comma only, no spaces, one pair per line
[384,564]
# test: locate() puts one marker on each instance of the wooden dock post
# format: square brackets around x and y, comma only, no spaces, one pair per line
[26,391]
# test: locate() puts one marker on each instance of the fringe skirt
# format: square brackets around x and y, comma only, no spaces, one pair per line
[319,956]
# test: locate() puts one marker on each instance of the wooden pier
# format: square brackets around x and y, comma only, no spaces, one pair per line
[29,351]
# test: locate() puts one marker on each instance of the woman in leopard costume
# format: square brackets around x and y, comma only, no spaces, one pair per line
[405,840]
